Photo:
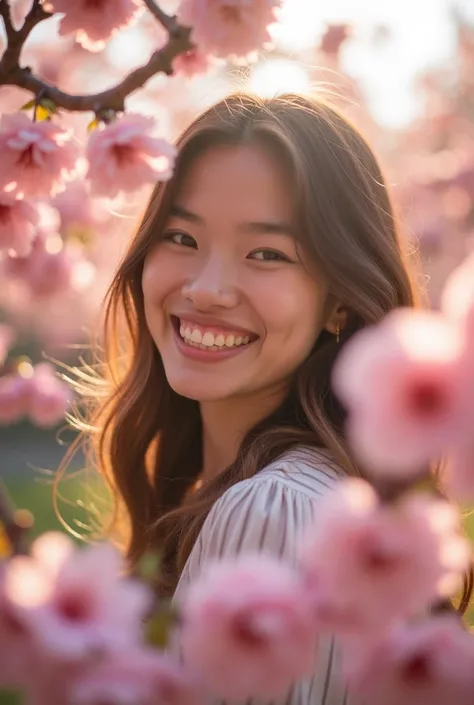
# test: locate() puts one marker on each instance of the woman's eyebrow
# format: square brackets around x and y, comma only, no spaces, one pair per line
[249,227]
[185,214]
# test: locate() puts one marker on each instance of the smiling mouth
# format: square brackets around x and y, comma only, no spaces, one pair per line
[212,339]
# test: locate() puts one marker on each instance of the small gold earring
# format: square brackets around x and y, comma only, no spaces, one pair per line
[337,333]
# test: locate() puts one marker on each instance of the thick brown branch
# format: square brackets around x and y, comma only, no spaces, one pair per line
[11,73]
[164,19]
[112,98]
[17,38]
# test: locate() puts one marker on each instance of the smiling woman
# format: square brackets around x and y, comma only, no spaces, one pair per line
[273,243]
[227,267]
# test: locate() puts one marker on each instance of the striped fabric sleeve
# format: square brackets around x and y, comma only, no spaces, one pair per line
[268,514]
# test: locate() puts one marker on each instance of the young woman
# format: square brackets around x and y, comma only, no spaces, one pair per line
[273,243]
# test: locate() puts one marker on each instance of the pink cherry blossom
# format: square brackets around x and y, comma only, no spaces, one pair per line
[137,676]
[36,156]
[247,628]
[19,9]
[80,214]
[124,156]
[15,397]
[229,27]
[426,662]
[93,23]
[367,563]
[50,398]
[18,224]
[7,337]
[75,602]
[408,386]
[14,642]
[192,63]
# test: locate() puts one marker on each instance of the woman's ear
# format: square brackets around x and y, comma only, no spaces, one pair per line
[336,321]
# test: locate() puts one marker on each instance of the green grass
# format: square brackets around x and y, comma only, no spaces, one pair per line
[78,502]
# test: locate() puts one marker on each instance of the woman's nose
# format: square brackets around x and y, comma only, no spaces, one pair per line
[213,285]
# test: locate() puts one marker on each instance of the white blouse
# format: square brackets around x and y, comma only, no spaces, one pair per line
[268,513]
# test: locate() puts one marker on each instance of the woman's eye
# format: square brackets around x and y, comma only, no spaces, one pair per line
[269,256]
[181,239]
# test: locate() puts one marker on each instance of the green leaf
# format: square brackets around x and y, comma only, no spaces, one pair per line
[29,105]
[93,125]
[159,627]
[11,697]
[149,566]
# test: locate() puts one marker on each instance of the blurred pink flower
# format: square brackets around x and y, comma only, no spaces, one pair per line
[43,272]
[426,662]
[408,386]
[124,156]
[247,628]
[80,214]
[7,337]
[19,9]
[15,397]
[192,63]
[50,398]
[367,563]
[36,156]
[93,23]
[141,676]
[76,602]
[229,27]
[15,646]
[18,225]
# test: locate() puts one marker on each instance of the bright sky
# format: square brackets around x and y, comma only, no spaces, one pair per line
[422,35]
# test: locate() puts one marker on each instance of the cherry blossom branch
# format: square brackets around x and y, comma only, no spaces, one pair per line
[13,74]
[17,38]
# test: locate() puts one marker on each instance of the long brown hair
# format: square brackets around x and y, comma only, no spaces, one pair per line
[147,438]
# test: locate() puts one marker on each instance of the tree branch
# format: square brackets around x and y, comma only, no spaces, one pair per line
[11,73]
[17,38]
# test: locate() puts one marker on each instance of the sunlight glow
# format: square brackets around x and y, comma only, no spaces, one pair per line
[276,76]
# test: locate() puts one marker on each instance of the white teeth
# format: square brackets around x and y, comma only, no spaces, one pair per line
[207,340]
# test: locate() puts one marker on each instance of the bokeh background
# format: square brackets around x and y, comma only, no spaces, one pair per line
[403,70]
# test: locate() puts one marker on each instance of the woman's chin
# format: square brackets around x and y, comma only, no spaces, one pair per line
[199,388]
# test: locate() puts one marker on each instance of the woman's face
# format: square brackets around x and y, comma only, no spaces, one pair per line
[228,302]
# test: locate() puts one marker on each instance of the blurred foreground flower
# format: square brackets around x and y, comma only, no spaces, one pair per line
[73,604]
[408,385]
[124,156]
[247,628]
[369,564]
[136,676]
[428,662]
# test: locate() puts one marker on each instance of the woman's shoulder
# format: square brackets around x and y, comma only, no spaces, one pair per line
[268,512]
[306,471]
[279,500]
